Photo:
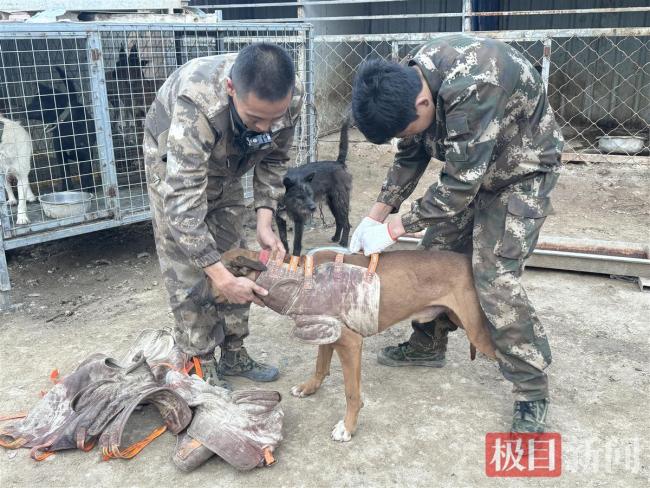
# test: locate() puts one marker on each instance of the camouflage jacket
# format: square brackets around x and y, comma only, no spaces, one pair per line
[493,127]
[199,165]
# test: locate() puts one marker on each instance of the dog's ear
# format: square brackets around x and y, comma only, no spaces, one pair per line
[245,265]
[287,182]
[310,177]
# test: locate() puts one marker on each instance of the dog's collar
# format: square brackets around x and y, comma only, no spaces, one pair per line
[265,255]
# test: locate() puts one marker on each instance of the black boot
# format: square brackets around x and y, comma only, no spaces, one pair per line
[412,353]
[239,363]
[530,416]
[210,371]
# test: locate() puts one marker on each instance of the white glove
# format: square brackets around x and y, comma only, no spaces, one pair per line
[375,238]
[355,242]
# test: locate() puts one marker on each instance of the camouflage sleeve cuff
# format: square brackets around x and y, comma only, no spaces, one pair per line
[392,199]
[257,207]
[207,259]
[265,203]
[412,222]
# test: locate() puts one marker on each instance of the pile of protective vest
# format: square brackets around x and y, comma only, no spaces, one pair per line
[93,404]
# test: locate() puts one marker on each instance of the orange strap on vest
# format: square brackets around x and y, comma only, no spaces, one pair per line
[372,266]
[114,452]
[309,272]
[293,263]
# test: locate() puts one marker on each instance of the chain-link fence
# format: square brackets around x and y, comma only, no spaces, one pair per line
[598,84]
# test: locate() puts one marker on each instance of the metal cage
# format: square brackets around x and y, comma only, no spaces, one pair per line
[73,98]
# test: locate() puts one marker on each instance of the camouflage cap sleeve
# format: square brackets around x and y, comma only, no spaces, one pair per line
[473,119]
[268,173]
[410,162]
[189,144]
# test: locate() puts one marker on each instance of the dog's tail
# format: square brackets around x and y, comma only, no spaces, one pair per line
[343,142]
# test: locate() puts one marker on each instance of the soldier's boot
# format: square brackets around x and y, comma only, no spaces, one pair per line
[409,354]
[239,363]
[530,416]
[210,371]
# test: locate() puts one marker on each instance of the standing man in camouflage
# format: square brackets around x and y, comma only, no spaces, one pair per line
[214,119]
[479,106]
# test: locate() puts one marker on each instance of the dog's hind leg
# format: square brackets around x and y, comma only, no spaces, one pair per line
[323,362]
[349,347]
[339,204]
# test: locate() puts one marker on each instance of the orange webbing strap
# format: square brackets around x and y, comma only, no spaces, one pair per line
[268,457]
[37,455]
[114,451]
[15,444]
[197,367]
[309,272]
[338,264]
[293,263]
[19,415]
[372,266]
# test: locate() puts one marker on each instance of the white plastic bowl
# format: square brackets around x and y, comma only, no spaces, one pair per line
[60,205]
[621,144]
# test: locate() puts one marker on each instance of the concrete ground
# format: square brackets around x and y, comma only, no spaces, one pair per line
[419,427]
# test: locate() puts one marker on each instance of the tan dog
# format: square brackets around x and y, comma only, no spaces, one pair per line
[413,284]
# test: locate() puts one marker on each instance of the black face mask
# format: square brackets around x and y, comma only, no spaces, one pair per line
[248,140]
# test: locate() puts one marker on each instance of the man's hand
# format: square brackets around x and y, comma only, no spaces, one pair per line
[376,238]
[265,235]
[234,289]
[355,241]
[376,217]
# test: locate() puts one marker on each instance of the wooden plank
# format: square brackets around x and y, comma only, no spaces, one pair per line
[604,158]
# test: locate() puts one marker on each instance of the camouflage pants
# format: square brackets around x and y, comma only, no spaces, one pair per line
[201,324]
[501,231]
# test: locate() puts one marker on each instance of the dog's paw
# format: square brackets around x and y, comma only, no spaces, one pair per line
[12,202]
[340,434]
[22,220]
[303,390]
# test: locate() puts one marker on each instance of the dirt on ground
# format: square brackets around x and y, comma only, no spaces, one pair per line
[419,426]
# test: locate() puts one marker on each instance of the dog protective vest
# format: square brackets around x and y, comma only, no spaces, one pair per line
[96,400]
[324,299]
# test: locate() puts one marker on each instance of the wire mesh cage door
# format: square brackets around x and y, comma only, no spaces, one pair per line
[53,152]
[73,100]
[138,60]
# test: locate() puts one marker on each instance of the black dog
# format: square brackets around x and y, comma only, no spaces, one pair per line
[313,183]
[126,84]
[73,133]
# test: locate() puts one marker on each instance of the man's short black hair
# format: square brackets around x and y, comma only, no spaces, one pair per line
[264,69]
[383,99]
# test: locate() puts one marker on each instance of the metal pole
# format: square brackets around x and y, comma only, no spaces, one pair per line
[546,62]
[467,19]
[309,94]
[5,283]
[103,123]
[394,52]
